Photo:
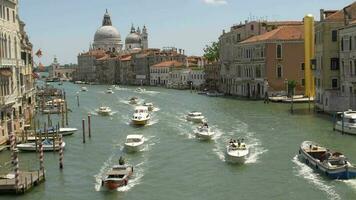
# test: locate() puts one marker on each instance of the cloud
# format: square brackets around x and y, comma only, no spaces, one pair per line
[215,2]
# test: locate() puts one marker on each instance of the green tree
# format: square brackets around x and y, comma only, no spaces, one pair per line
[211,53]
[291,86]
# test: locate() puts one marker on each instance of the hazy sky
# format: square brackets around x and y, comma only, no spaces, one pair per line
[66,27]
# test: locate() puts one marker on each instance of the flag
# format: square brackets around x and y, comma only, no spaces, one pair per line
[41,67]
[39,53]
[35,75]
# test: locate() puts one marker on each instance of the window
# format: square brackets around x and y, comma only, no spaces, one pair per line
[334,83]
[342,44]
[279,51]
[334,35]
[350,89]
[13,16]
[302,66]
[343,88]
[258,72]
[334,63]
[279,71]
[350,43]
[7,14]
[252,27]
[303,82]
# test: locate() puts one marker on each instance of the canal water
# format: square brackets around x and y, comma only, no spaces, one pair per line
[174,164]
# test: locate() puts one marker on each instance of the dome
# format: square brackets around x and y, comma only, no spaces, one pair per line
[133,38]
[105,33]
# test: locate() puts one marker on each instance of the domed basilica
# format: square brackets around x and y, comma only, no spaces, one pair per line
[108,38]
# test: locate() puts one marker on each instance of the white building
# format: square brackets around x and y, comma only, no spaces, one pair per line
[161,72]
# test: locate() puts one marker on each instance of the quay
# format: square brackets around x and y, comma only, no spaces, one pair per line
[27,180]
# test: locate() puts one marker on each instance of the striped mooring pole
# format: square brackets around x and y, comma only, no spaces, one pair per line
[41,156]
[60,151]
[17,170]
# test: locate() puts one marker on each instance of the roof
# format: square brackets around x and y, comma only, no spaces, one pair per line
[172,63]
[134,136]
[281,33]
[126,58]
[339,15]
[96,53]
[141,108]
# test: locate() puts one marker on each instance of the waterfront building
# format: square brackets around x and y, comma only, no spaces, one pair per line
[327,57]
[160,73]
[212,74]
[17,84]
[64,72]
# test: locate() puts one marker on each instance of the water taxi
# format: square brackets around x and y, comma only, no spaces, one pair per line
[333,164]
[141,116]
[140,90]
[348,120]
[117,176]
[149,106]
[133,100]
[104,110]
[237,151]
[47,146]
[84,89]
[109,91]
[134,143]
[203,132]
[196,117]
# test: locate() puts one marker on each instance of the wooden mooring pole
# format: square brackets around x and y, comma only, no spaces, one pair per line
[83,127]
[78,100]
[60,152]
[66,107]
[89,126]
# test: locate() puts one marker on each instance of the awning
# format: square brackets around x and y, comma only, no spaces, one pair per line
[5,72]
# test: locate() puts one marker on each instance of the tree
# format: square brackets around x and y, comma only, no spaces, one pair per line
[211,53]
[291,86]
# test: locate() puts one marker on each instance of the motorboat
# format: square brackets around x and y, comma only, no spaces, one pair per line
[149,106]
[109,91]
[117,176]
[203,132]
[63,131]
[55,102]
[140,90]
[104,110]
[347,123]
[84,89]
[333,164]
[196,117]
[214,94]
[134,143]
[237,152]
[47,146]
[141,116]
[133,100]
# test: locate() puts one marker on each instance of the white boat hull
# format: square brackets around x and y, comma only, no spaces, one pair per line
[139,122]
[196,119]
[133,148]
[349,129]
[32,147]
[204,135]
[236,156]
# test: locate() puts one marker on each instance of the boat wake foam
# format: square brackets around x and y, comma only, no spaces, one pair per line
[256,149]
[149,142]
[308,173]
[98,177]
[351,183]
[135,179]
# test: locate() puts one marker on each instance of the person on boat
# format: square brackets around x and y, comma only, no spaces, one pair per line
[231,141]
[121,161]
[238,143]
[206,125]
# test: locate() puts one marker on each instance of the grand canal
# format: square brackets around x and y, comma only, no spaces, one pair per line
[175,165]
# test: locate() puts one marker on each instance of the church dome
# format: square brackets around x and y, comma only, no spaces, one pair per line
[106,33]
[133,38]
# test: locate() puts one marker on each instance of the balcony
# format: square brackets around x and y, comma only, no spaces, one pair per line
[8,99]
[7,62]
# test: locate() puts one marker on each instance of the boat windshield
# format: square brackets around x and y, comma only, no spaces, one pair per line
[116,176]
[133,140]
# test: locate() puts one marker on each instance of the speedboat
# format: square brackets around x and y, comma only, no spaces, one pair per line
[109,91]
[62,131]
[134,143]
[117,176]
[84,89]
[203,132]
[348,120]
[141,116]
[333,164]
[196,117]
[149,106]
[133,100]
[140,90]
[236,151]
[214,94]
[47,146]
[104,110]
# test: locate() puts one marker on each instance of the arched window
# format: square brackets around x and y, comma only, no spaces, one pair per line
[279,71]
[279,51]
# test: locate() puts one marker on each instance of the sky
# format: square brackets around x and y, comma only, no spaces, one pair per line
[65,28]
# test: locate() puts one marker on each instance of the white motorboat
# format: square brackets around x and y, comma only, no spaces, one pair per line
[134,143]
[133,100]
[117,176]
[141,116]
[149,106]
[84,89]
[62,131]
[104,110]
[196,117]
[236,151]
[109,91]
[140,90]
[204,132]
[214,94]
[47,146]
[348,120]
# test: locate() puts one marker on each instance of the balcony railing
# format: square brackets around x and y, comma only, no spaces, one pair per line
[8,99]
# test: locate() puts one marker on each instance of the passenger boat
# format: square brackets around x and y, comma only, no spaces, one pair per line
[134,143]
[104,110]
[348,120]
[236,151]
[117,176]
[133,100]
[333,164]
[109,91]
[196,117]
[84,89]
[62,131]
[47,146]
[141,116]
[149,106]
[203,132]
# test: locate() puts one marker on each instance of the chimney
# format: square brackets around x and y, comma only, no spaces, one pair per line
[322,16]
[183,52]
[347,16]
[180,51]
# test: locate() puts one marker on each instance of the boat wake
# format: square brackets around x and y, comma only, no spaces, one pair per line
[135,180]
[156,109]
[98,177]
[351,183]
[149,142]
[185,130]
[308,173]
[256,149]
[121,88]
